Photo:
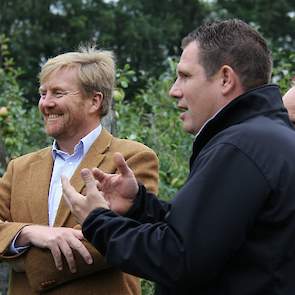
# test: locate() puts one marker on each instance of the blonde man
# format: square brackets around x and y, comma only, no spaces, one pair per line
[38,234]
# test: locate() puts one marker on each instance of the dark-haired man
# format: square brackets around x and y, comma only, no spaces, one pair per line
[231,228]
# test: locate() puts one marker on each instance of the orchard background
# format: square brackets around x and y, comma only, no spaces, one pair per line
[145,36]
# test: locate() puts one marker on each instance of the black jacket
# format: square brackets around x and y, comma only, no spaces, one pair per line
[230,230]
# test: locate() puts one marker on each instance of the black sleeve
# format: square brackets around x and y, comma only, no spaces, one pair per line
[147,207]
[207,223]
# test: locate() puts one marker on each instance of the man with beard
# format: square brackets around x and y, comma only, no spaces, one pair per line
[38,234]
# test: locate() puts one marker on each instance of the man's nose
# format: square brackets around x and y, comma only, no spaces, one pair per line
[175,91]
[47,100]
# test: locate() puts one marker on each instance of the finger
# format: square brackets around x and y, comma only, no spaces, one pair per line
[99,175]
[78,246]
[90,182]
[105,196]
[78,234]
[107,199]
[121,164]
[98,185]
[55,251]
[68,190]
[69,256]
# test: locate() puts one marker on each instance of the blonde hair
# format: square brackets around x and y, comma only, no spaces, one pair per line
[96,71]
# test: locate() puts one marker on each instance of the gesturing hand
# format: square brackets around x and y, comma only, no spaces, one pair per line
[59,240]
[118,189]
[81,205]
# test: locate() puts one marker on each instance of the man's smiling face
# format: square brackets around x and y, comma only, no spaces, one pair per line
[63,105]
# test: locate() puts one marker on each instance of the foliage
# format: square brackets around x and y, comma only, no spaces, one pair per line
[151,32]
[275,19]
[151,117]
[284,68]
[147,287]
[20,127]
[142,33]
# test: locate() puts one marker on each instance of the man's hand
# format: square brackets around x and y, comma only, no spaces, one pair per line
[81,205]
[59,240]
[118,189]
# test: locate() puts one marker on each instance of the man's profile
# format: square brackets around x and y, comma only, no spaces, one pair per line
[231,228]
[38,233]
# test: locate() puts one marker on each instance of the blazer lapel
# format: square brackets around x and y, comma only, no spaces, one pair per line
[40,174]
[92,159]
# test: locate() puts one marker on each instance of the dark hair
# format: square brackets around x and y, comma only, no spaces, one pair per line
[234,43]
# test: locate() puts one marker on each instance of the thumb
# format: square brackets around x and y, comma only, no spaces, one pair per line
[99,175]
[89,181]
[121,164]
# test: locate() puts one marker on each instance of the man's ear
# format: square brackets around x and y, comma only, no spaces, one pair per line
[96,101]
[227,79]
[230,83]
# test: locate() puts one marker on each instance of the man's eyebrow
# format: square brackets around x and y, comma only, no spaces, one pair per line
[56,88]
[181,71]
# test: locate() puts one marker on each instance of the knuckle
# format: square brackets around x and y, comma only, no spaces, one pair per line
[79,246]
[69,254]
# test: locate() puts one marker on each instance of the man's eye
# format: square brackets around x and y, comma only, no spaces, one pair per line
[183,75]
[59,94]
[42,94]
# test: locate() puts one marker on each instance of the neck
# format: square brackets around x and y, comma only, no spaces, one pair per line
[66,146]
[67,143]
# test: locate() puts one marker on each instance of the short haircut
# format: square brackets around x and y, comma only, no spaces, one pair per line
[96,72]
[236,44]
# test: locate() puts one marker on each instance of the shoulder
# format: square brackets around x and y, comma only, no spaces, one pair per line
[133,151]
[269,144]
[261,132]
[126,147]
[31,157]
[129,145]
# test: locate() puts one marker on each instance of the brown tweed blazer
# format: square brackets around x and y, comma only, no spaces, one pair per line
[23,200]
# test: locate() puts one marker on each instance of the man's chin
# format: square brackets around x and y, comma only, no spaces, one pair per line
[189,129]
[52,133]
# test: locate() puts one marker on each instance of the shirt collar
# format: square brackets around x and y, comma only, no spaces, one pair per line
[84,144]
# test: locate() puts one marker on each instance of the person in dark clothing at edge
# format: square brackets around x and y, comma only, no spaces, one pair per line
[230,230]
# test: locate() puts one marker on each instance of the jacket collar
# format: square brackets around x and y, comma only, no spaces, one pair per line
[261,100]
[40,175]
[93,158]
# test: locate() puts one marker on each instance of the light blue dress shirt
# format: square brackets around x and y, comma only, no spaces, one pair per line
[64,164]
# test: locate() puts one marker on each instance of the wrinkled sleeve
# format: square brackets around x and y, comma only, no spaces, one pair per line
[8,228]
[207,222]
[147,207]
[145,167]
